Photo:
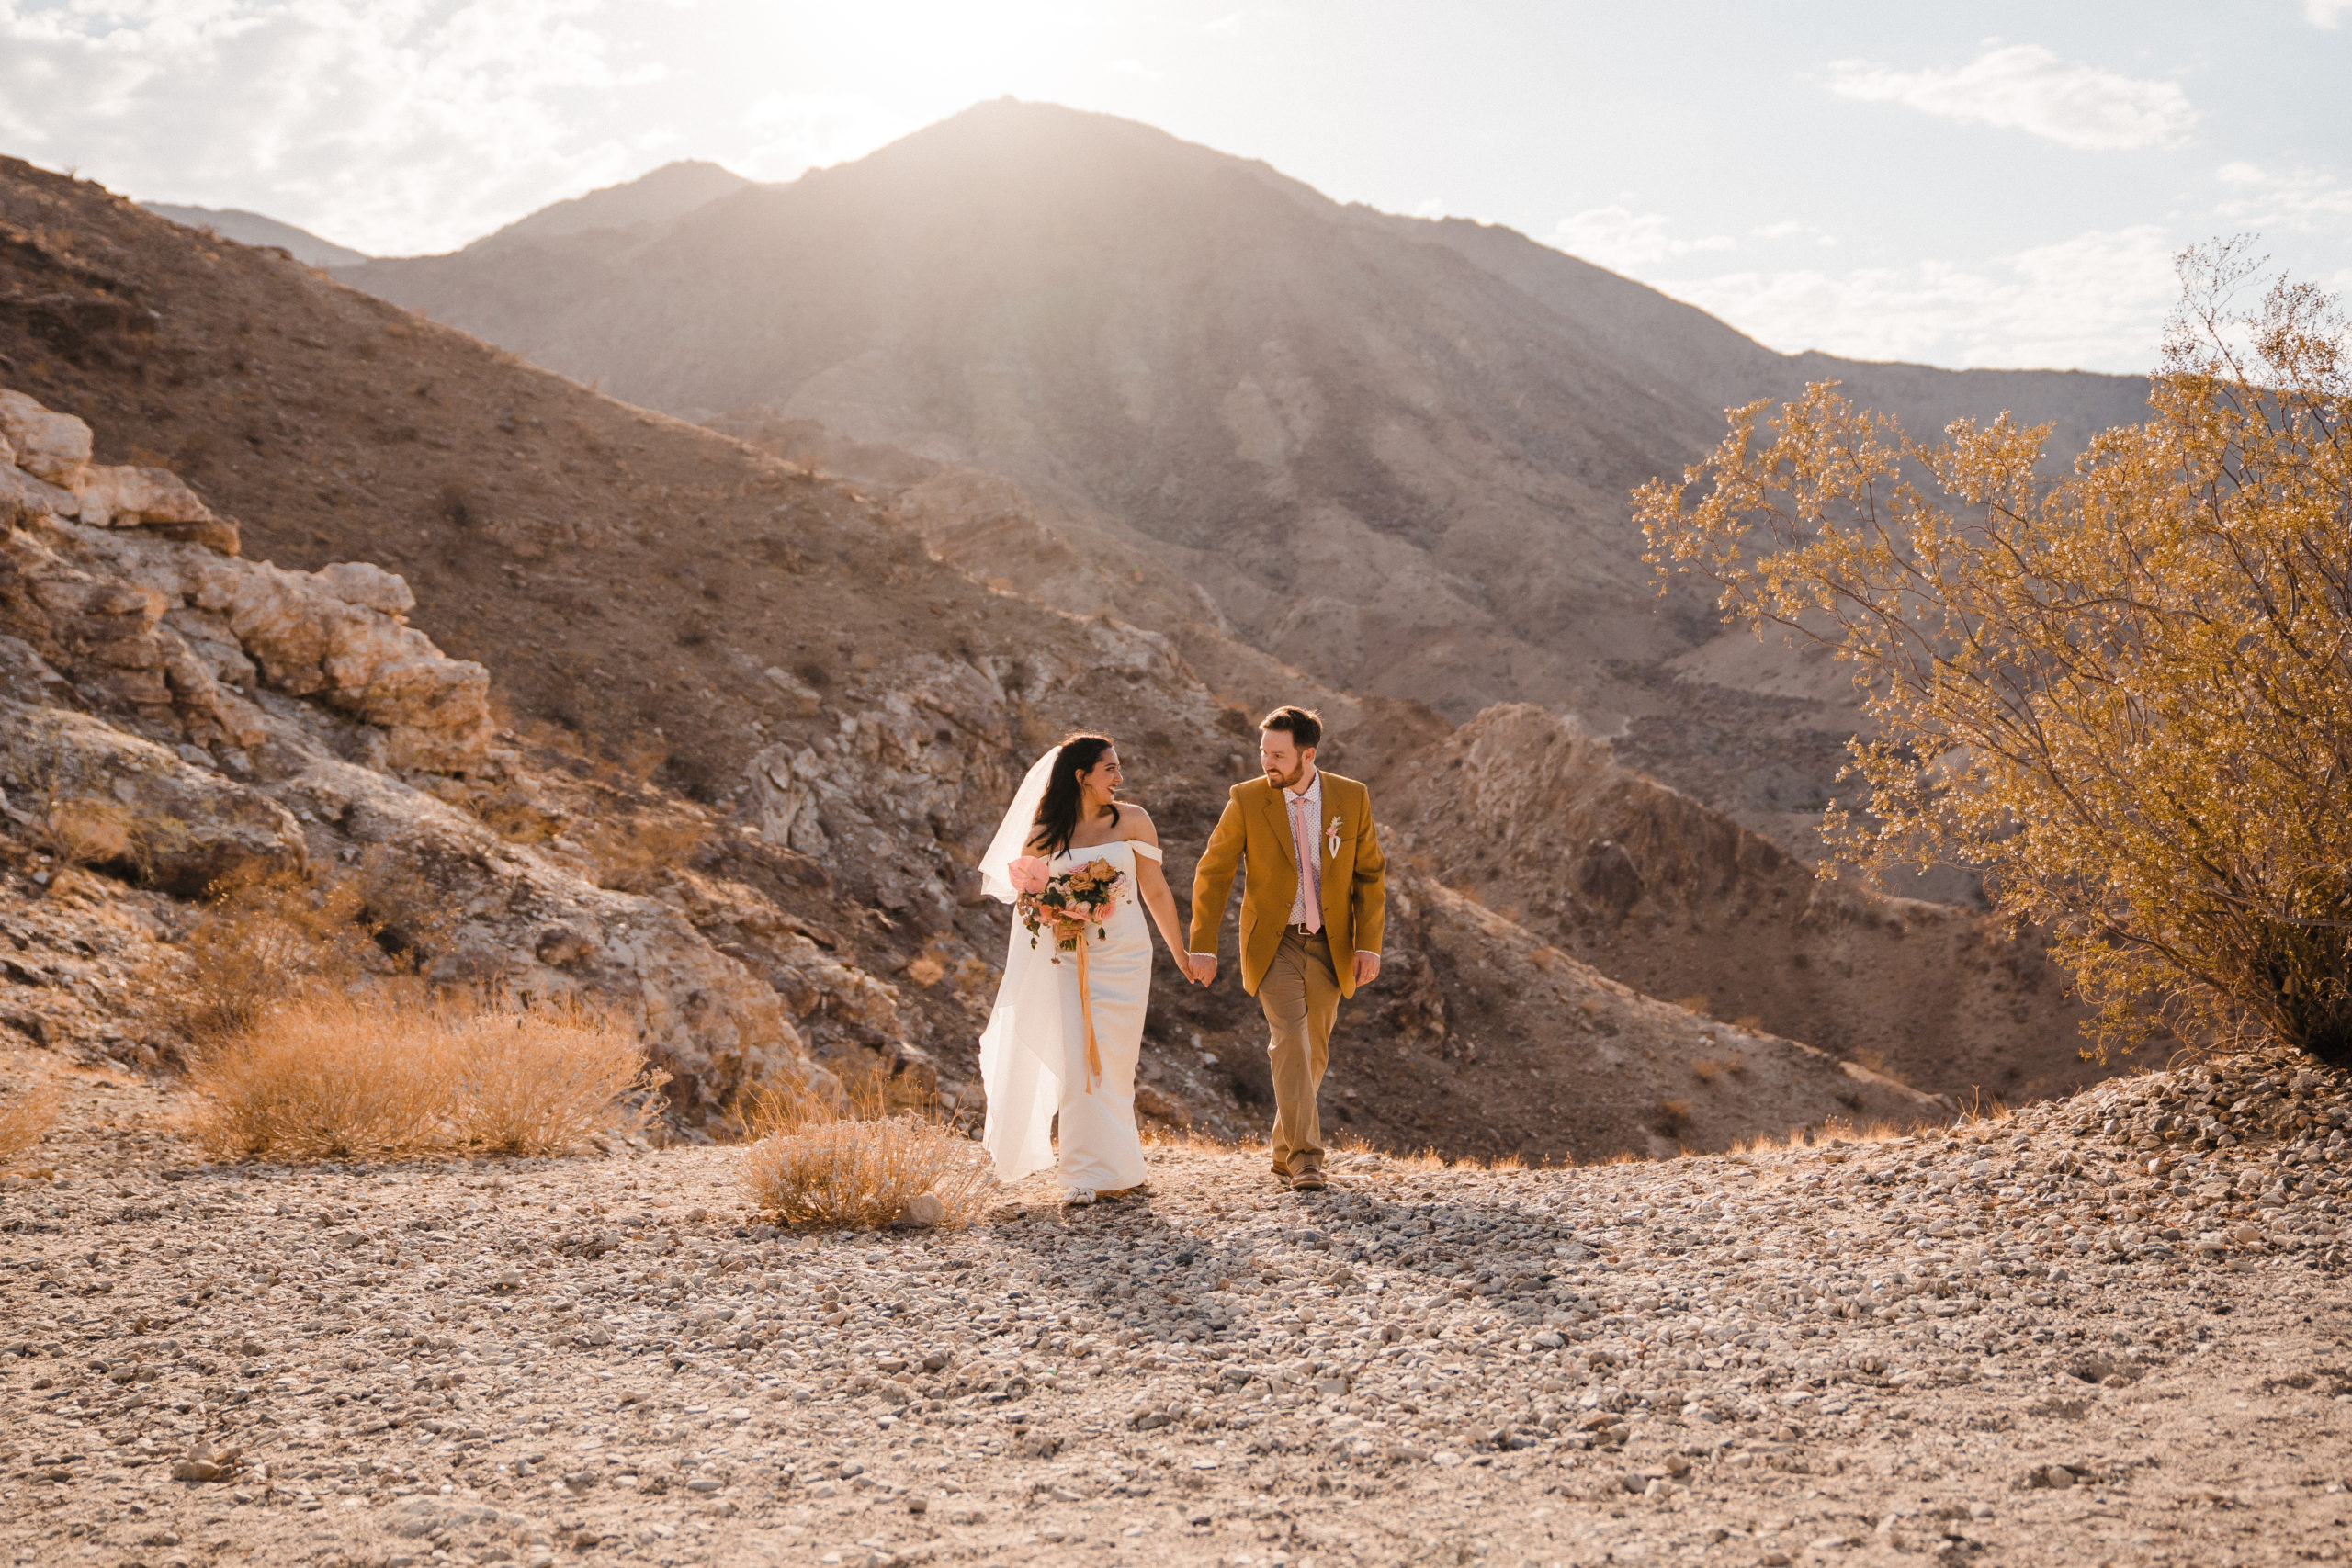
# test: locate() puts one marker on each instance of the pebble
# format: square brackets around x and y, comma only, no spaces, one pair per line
[1766,1346]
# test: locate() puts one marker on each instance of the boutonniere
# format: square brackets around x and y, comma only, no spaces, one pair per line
[1331,838]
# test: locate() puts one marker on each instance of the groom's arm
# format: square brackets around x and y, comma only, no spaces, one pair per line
[1370,895]
[1212,880]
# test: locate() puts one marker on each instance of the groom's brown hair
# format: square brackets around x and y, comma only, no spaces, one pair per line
[1304,724]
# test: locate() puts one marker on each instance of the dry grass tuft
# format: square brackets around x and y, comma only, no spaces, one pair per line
[863,1162]
[26,1113]
[333,1077]
[1833,1131]
[261,939]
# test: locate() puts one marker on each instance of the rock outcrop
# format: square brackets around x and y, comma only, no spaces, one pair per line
[113,799]
[173,713]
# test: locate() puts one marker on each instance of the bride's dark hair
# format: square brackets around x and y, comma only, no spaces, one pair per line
[1057,812]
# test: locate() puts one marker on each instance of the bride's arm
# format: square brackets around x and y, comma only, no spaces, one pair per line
[1151,885]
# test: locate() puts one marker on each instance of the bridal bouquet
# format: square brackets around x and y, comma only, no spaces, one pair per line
[1067,904]
[1064,907]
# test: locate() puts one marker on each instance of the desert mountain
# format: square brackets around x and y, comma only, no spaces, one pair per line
[255,229]
[1392,454]
[666,195]
[694,712]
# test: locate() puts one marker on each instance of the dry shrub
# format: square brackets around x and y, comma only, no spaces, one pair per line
[27,1111]
[637,855]
[90,832]
[1671,1117]
[261,938]
[1706,1069]
[860,1162]
[545,1079]
[327,1076]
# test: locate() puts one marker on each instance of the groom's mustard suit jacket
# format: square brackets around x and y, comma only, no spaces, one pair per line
[1256,828]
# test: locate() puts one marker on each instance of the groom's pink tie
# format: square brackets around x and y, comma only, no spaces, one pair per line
[1311,869]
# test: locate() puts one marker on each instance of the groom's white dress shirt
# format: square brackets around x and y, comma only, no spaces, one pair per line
[1306,807]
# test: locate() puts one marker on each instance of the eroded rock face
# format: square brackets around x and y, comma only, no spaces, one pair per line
[124,801]
[515,918]
[174,713]
[125,580]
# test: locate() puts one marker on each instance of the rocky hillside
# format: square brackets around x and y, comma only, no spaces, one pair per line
[749,694]
[1392,454]
[174,716]
[1536,817]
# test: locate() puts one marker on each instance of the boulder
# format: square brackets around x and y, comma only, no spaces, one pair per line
[127,496]
[22,496]
[52,446]
[334,634]
[111,799]
[368,585]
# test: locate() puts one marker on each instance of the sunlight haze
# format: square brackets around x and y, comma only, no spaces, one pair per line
[2000,184]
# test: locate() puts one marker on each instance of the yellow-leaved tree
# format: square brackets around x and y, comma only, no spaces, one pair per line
[2124,694]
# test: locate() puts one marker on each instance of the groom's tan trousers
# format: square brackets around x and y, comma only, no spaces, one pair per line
[1301,998]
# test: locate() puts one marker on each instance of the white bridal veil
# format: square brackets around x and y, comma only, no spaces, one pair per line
[1013,833]
[1022,1049]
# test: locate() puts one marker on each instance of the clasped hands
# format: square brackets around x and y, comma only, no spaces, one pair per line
[1201,968]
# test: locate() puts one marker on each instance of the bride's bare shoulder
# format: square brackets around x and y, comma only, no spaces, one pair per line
[1136,823]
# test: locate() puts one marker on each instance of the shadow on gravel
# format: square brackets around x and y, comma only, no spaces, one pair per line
[1151,1274]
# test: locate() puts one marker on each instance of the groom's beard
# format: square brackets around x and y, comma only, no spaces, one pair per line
[1286,781]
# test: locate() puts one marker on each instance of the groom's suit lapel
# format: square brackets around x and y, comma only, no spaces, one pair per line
[1276,813]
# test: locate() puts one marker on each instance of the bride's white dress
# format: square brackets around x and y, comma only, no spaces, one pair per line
[1033,1054]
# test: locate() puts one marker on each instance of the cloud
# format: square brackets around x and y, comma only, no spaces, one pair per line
[2095,301]
[2326,13]
[1619,239]
[2297,199]
[2026,87]
[359,117]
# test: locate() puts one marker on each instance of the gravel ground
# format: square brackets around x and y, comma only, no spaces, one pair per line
[2111,1328]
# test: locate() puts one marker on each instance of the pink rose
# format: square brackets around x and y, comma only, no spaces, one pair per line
[1029,873]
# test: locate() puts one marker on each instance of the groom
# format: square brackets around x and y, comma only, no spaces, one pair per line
[1314,892]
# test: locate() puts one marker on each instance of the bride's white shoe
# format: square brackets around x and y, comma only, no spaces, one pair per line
[1074,1196]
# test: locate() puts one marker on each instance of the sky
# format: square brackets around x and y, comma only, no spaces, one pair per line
[1987,184]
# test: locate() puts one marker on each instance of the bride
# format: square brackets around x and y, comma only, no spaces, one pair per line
[1033,1054]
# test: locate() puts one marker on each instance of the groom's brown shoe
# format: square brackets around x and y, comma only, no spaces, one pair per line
[1307,1181]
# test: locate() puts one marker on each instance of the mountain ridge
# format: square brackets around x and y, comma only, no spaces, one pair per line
[1394,453]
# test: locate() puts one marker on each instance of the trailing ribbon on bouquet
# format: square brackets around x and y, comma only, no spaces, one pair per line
[1086,1010]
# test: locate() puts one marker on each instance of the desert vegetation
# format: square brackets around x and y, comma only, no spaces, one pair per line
[329,1076]
[883,1154]
[2125,693]
[29,1106]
